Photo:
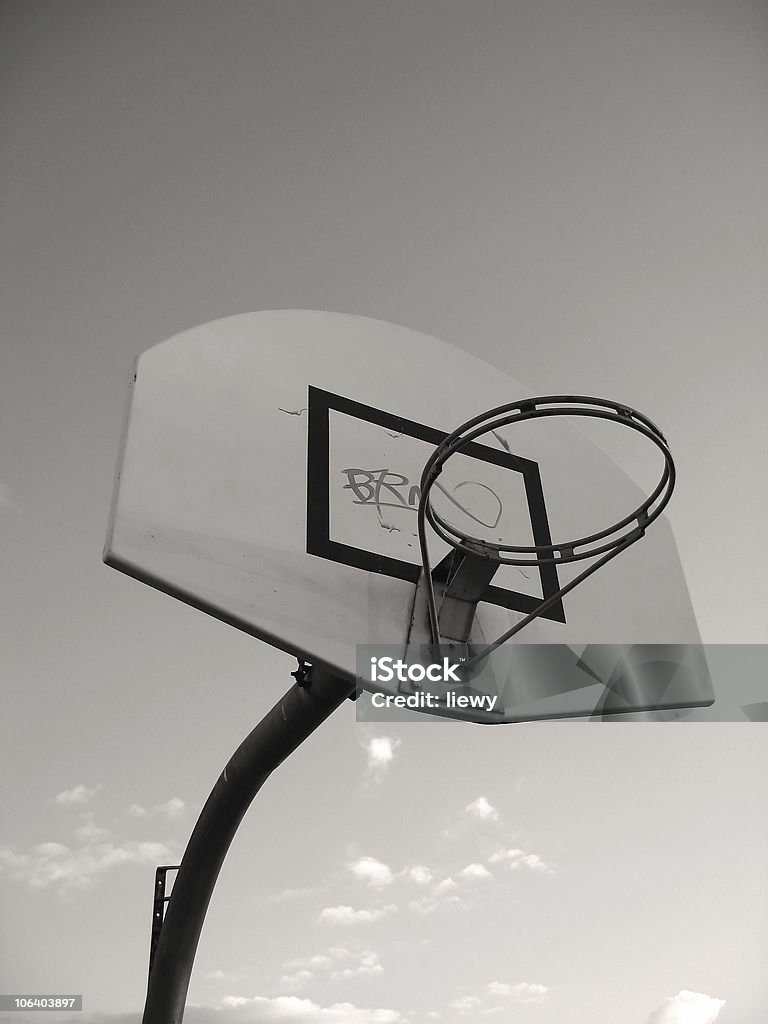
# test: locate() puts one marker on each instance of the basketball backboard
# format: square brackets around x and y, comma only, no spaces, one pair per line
[269,476]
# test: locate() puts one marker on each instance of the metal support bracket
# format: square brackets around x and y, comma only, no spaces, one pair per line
[303,674]
[459,580]
[158,908]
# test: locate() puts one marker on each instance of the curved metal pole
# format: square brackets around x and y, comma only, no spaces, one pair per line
[303,708]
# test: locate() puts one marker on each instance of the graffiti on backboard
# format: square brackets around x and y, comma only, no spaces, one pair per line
[383,488]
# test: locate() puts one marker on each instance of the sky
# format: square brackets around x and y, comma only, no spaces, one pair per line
[575,193]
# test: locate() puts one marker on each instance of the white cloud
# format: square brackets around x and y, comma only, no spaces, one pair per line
[475,871]
[318,962]
[440,895]
[482,809]
[89,831]
[419,874]
[321,960]
[326,960]
[305,1011]
[687,1008]
[173,808]
[366,964]
[372,871]
[292,894]
[347,915]
[78,795]
[526,992]
[297,980]
[10,861]
[337,963]
[449,891]
[522,993]
[515,858]
[466,1004]
[380,752]
[54,863]
[499,988]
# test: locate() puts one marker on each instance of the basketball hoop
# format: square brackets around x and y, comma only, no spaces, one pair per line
[606,543]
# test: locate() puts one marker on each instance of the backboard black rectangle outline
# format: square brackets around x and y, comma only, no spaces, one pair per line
[319,542]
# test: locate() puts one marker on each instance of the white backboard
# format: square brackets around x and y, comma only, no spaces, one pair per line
[269,477]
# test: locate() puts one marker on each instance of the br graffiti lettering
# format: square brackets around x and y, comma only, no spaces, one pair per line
[383,488]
